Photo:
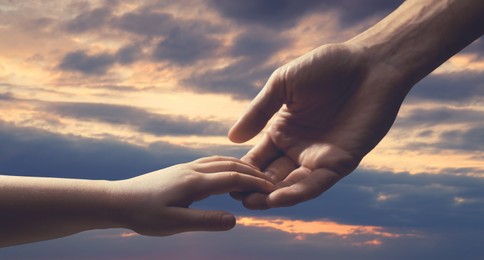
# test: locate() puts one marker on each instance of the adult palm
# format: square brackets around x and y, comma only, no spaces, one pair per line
[331,106]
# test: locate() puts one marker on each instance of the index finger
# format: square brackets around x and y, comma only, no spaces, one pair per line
[260,110]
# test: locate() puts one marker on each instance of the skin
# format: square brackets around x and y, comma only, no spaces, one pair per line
[333,105]
[154,204]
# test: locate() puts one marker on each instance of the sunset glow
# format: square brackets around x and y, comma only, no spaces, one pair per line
[109,90]
[301,228]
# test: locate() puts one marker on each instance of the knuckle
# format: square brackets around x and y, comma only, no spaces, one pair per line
[234,178]
[231,165]
[192,178]
[216,157]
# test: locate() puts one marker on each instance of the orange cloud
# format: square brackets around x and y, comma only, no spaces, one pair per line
[301,228]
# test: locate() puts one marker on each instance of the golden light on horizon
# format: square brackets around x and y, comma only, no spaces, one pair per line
[301,228]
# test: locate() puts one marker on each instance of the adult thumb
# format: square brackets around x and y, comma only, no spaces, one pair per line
[260,110]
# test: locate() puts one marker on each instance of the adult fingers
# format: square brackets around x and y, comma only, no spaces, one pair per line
[275,172]
[260,110]
[305,189]
[280,168]
[255,201]
[263,153]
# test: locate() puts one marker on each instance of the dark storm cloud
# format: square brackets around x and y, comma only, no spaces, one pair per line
[453,87]
[138,119]
[286,13]
[29,151]
[80,61]
[445,115]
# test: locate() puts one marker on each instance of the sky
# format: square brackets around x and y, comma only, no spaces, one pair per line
[108,89]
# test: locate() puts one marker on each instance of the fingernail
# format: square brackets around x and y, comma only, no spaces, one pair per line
[228,221]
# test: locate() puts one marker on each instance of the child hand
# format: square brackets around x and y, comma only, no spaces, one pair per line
[157,203]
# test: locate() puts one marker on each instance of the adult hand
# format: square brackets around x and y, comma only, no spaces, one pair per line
[334,104]
[157,203]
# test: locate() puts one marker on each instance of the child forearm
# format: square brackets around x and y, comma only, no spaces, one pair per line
[34,209]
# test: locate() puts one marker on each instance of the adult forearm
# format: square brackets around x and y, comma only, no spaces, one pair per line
[33,209]
[422,34]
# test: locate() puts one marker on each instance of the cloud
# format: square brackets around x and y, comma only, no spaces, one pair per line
[471,139]
[286,13]
[453,87]
[427,204]
[174,39]
[145,22]
[138,119]
[80,61]
[89,20]
[252,243]
[352,12]
[242,79]
[7,97]
[183,47]
[29,151]
[386,199]
[239,80]
[129,54]
[477,47]
[99,64]
[258,44]
[444,115]
[271,13]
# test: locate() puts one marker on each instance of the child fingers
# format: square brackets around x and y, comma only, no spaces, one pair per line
[223,182]
[230,166]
